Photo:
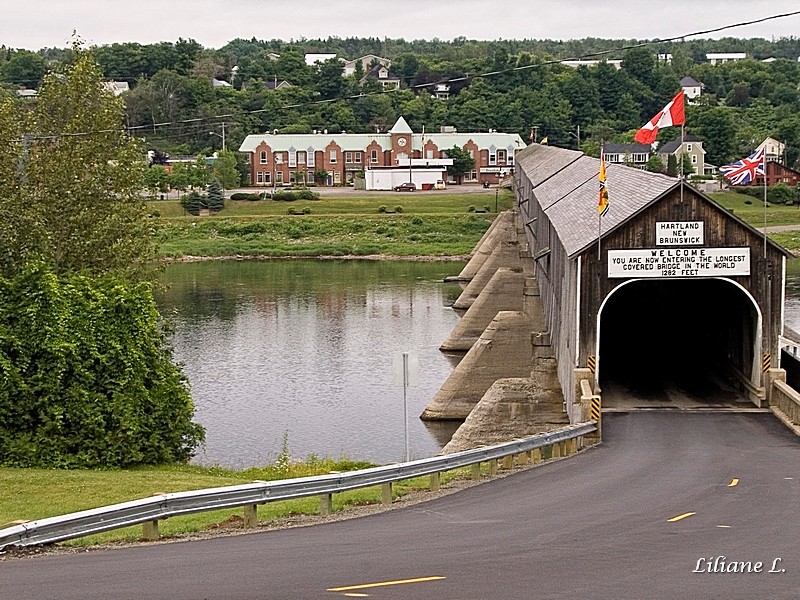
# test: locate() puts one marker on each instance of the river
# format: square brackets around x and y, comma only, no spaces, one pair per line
[305,348]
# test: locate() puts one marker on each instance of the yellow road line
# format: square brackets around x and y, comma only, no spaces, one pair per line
[724,526]
[734,482]
[365,586]
[679,517]
[356,595]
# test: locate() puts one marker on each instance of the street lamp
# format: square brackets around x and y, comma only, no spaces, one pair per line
[222,135]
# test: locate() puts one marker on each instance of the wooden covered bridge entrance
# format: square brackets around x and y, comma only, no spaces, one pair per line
[667,296]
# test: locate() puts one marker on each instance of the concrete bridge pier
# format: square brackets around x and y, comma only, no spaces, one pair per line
[516,407]
[505,254]
[500,229]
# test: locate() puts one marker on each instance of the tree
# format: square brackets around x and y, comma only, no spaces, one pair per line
[88,377]
[214,197]
[72,180]
[155,180]
[225,170]
[193,202]
[463,163]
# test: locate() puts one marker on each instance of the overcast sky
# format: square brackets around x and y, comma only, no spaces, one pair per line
[35,24]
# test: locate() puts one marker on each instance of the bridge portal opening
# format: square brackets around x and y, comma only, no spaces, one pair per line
[676,343]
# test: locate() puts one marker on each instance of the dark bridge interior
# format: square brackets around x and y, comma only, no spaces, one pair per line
[672,342]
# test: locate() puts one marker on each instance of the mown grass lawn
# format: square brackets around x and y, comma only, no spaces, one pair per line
[31,494]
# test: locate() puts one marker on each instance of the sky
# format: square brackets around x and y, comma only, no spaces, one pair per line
[35,24]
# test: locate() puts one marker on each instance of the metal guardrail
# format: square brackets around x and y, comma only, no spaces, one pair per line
[116,516]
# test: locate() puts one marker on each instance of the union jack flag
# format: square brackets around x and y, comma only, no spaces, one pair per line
[744,171]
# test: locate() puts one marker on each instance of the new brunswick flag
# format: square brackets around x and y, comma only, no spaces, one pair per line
[602,204]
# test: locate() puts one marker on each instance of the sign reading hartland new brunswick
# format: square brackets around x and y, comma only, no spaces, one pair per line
[679,262]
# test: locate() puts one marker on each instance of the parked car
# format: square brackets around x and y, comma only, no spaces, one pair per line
[439,185]
[405,187]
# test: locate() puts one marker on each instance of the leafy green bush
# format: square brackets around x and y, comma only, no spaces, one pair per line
[88,378]
[247,196]
[307,210]
[284,196]
[307,195]
[398,209]
[416,221]
[193,202]
[382,208]
[471,208]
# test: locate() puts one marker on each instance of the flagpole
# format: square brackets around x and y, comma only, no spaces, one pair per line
[600,216]
[681,175]
[765,204]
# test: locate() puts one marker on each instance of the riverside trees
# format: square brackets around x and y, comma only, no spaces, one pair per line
[86,374]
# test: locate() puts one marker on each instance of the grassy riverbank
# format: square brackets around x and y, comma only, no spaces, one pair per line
[31,494]
[425,224]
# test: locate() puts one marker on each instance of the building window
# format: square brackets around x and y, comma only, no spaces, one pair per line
[278,176]
[259,177]
[694,159]
[373,156]
[332,157]
[357,157]
[348,157]
[471,153]
[612,158]
[429,153]
[492,158]
[639,158]
[292,158]
[337,177]
[511,157]
[309,176]
[311,157]
[301,158]
[501,156]
[689,148]
[278,158]
[263,157]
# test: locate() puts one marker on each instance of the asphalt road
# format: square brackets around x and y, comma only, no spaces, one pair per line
[627,520]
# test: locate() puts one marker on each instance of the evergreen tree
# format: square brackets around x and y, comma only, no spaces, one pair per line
[214,197]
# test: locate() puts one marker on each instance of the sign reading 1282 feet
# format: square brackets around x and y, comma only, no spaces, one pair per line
[679,262]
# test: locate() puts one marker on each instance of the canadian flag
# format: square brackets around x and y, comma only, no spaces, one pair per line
[672,114]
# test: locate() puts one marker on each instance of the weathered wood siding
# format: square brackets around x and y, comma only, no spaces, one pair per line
[721,230]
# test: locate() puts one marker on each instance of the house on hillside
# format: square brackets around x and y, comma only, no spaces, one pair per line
[381,73]
[692,147]
[718,58]
[116,87]
[314,58]
[691,88]
[633,155]
[773,148]
[366,63]
[277,84]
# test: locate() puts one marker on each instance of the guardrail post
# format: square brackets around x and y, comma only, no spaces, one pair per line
[150,530]
[493,467]
[325,504]
[555,450]
[773,375]
[536,455]
[435,481]
[523,458]
[508,461]
[250,516]
[476,470]
[386,493]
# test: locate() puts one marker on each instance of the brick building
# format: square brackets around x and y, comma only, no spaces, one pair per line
[282,159]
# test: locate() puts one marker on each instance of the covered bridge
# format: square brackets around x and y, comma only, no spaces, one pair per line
[668,287]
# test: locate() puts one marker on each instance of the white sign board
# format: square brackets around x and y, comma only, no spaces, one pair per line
[405,369]
[679,233]
[679,262]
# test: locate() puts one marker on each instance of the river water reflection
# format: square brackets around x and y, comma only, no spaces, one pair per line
[306,347]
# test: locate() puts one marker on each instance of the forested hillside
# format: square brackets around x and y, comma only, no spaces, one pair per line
[509,85]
